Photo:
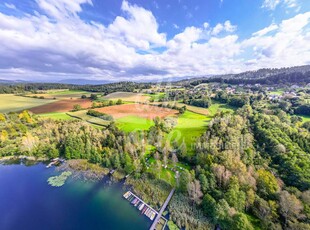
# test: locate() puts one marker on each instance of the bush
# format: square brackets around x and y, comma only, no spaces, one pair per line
[103,116]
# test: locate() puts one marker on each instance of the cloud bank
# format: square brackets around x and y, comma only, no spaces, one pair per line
[57,43]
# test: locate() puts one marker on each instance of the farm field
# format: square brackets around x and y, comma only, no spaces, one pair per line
[139,110]
[126,96]
[93,120]
[65,105]
[12,103]
[61,94]
[56,116]
[191,108]
[132,123]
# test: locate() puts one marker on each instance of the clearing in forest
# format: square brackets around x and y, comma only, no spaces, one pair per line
[190,126]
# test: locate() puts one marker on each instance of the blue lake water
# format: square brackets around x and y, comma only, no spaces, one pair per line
[28,202]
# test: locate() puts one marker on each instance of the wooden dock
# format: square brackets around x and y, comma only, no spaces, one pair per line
[153,226]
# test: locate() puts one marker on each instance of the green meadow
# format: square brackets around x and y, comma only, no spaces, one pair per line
[133,123]
[57,116]
[190,126]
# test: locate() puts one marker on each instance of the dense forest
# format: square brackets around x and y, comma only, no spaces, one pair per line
[293,75]
[105,88]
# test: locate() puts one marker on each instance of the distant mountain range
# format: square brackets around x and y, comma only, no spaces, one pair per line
[81,81]
[3,81]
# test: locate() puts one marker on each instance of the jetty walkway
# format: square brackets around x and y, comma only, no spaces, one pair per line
[153,226]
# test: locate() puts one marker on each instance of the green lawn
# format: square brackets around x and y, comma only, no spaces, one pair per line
[132,123]
[57,116]
[12,103]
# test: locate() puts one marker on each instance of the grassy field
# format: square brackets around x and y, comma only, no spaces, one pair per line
[277,92]
[305,118]
[61,94]
[93,120]
[67,92]
[132,123]
[217,107]
[156,97]
[192,125]
[57,116]
[12,103]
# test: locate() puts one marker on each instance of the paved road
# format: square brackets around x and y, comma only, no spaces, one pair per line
[162,210]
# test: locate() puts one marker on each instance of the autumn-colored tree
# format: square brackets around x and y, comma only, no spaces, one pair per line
[25,117]
[2,117]
[194,191]
[267,183]
[290,206]
[29,142]
[4,135]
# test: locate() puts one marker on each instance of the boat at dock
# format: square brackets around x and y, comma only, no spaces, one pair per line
[143,207]
[55,161]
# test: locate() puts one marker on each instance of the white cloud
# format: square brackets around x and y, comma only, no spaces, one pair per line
[227,26]
[10,6]
[62,8]
[291,3]
[266,30]
[206,25]
[289,46]
[139,29]
[176,26]
[273,4]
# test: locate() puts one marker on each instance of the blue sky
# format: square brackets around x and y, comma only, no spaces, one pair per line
[159,39]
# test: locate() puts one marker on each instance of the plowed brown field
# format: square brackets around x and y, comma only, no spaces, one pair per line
[140,110]
[61,106]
